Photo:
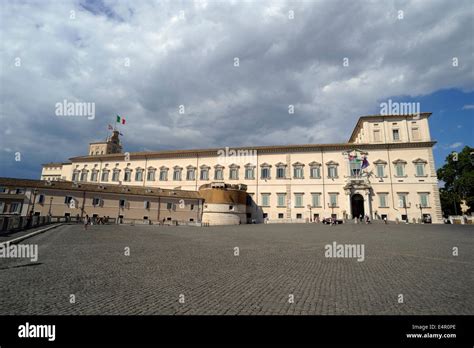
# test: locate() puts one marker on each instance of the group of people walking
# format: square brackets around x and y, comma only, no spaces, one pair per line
[97,220]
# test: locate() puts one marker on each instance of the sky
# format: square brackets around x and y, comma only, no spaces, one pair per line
[199,74]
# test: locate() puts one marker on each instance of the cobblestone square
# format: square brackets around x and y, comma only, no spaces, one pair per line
[199,266]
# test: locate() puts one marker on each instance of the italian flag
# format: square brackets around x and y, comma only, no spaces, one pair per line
[120,119]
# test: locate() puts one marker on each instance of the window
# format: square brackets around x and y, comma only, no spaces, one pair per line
[3,190]
[249,173]
[204,173]
[122,203]
[399,167]
[402,200]
[396,134]
[424,199]
[298,172]
[355,166]
[383,200]
[75,175]
[146,204]
[280,215]
[316,199]
[299,216]
[190,173]
[281,199]
[380,170]
[377,136]
[94,175]
[151,174]
[265,199]
[127,175]
[298,200]
[105,175]
[234,173]
[191,207]
[332,171]
[2,207]
[116,175]
[169,206]
[96,201]
[68,199]
[265,172]
[218,173]
[41,199]
[163,174]
[15,207]
[333,199]
[420,169]
[231,207]
[20,191]
[315,172]
[415,133]
[177,174]
[139,175]
[280,173]
[84,175]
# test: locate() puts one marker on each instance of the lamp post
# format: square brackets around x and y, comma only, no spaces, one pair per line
[420,206]
[310,214]
[35,192]
[332,206]
[50,203]
[405,205]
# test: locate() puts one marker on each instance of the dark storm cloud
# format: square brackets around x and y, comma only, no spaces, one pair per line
[182,53]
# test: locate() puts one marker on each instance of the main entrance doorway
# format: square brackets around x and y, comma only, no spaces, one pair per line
[357,205]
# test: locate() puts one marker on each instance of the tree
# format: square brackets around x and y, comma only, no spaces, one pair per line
[458,176]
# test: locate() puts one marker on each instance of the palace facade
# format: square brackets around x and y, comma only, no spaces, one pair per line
[385,170]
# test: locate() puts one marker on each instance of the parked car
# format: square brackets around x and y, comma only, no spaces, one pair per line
[327,221]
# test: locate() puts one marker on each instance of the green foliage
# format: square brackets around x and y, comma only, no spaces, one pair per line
[458,176]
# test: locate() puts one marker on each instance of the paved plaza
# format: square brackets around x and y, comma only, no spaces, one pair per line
[167,266]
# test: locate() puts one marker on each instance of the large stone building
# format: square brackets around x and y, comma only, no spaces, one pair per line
[385,170]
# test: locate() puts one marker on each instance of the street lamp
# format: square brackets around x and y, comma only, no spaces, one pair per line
[50,203]
[35,192]
[405,205]
[332,206]
[420,206]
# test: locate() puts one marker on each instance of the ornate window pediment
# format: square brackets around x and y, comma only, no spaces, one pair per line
[250,165]
[420,160]
[298,164]
[332,163]
[164,168]
[315,164]
[265,164]
[280,164]
[379,161]
[399,161]
[204,166]
[234,166]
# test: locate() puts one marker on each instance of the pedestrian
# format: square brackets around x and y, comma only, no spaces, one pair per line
[385,220]
[86,222]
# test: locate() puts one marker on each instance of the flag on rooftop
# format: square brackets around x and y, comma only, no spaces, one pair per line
[120,119]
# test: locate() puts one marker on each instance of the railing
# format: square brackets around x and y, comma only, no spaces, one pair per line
[13,223]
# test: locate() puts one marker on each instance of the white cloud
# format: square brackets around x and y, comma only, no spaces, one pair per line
[455,145]
[468,107]
[189,61]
